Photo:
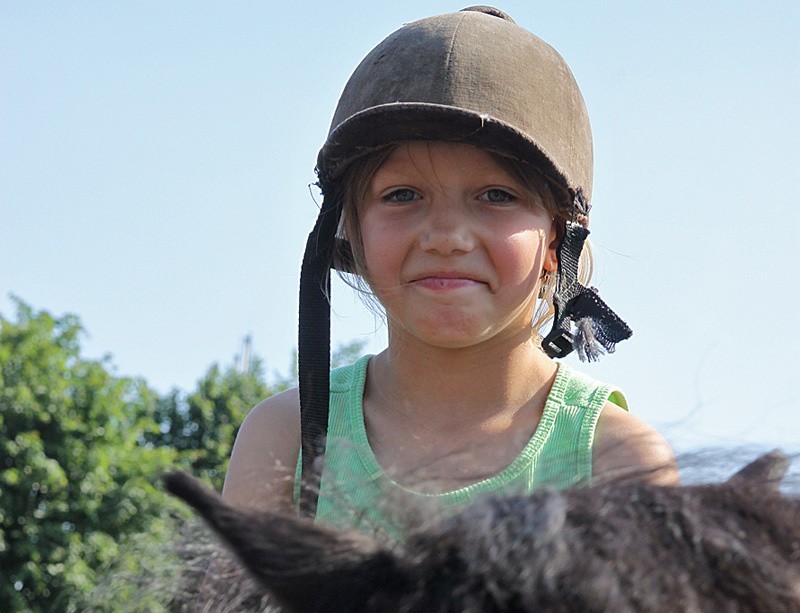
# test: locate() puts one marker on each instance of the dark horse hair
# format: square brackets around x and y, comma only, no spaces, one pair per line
[625,546]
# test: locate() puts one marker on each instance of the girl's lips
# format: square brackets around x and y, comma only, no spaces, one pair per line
[445,283]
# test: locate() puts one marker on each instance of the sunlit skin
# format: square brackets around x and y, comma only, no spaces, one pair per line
[454,245]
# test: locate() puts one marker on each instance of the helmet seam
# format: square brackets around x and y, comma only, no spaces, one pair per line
[449,60]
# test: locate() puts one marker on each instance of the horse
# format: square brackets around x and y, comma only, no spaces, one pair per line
[623,545]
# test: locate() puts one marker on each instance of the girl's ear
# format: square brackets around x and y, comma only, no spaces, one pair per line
[553,241]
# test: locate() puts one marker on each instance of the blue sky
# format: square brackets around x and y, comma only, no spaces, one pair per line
[155,162]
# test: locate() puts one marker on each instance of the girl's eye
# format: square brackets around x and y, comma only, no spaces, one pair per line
[497,196]
[401,195]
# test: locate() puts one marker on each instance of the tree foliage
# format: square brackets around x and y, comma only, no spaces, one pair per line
[80,454]
[75,477]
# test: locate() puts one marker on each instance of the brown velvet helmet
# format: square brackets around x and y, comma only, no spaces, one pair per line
[472,77]
[469,77]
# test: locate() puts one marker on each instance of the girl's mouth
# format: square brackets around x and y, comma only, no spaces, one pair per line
[437,283]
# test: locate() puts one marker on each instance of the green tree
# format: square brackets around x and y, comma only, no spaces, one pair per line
[84,523]
[76,476]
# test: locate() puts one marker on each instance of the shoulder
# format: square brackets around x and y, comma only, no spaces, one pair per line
[280,409]
[627,447]
[264,456]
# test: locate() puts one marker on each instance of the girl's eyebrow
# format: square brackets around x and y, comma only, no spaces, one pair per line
[391,173]
[388,176]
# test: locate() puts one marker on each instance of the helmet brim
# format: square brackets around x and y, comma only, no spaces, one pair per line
[388,124]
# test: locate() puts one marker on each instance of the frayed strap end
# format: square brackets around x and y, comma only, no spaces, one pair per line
[585,324]
[586,343]
[597,328]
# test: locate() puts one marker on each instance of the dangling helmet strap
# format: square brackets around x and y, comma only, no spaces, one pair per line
[582,320]
[314,345]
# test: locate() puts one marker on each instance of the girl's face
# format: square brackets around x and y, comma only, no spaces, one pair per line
[454,246]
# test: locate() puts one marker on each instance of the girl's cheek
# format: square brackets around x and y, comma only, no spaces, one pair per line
[523,254]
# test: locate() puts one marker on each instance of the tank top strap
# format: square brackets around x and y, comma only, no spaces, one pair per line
[575,402]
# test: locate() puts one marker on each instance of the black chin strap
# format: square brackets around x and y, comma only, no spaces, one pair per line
[314,349]
[582,321]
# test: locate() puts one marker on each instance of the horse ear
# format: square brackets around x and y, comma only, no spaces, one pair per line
[766,471]
[305,566]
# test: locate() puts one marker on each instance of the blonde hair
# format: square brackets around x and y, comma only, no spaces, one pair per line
[551,197]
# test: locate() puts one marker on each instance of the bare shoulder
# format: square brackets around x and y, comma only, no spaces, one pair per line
[264,456]
[627,446]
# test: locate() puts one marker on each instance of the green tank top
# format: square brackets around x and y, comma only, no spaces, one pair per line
[355,492]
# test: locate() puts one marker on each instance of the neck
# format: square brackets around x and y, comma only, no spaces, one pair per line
[464,385]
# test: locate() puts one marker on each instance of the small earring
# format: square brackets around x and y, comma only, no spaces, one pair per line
[544,279]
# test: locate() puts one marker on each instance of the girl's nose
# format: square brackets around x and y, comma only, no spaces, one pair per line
[447,230]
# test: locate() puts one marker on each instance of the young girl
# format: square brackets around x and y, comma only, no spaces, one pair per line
[456,179]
